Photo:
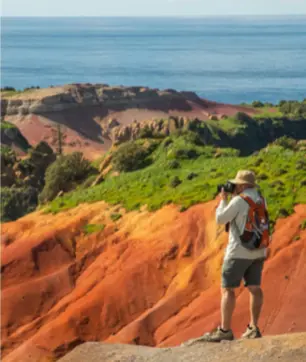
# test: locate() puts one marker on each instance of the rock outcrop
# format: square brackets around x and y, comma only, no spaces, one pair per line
[147,279]
[91,114]
[282,348]
[116,98]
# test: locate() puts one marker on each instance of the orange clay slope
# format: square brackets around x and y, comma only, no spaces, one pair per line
[148,278]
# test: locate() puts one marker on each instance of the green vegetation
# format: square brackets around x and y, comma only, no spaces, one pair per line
[10,134]
[11,91]
[8,155]
[183,168]
[17,202]
[64,174]
[293,109]
[303,225]
[130,156]
[93,228]
[115,216]
[290,109]
[6,125]
[281,177]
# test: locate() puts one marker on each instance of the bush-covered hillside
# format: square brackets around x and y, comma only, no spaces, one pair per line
[182,162]
[181,171]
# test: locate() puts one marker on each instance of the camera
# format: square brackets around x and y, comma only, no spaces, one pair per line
[228,187]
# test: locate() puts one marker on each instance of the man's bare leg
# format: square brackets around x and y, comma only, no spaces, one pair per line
[256,301]
[228,302]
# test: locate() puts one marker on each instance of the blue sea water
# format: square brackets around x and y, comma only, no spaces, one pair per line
[229,59]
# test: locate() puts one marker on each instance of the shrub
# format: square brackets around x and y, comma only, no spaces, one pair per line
[93,228]
[286,142]
[191,137]
[192,175]
[145,132]
[294,108]
[89,181]
[280,172]
[130,156]
[303,224]
[64,173]
[8,156]
[5,89]
[115,216]
[226,152]
[283,213]
[258,162]
[243,117]
[257,104]
[277,183]
[186,154]
[174,164]
[175,182]
[262,176]
[167,142]
[300,165]
[16,202]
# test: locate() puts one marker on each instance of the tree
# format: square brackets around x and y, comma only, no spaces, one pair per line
[59,140]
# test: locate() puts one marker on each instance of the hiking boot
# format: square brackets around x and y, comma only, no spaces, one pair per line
[251,333]
[218,335]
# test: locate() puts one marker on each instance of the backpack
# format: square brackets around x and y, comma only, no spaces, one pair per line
[256,233]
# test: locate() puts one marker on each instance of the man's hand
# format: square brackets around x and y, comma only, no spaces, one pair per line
[223,195]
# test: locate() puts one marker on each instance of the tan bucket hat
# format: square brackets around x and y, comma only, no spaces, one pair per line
[244,177]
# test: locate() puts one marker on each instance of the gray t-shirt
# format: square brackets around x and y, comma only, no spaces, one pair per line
[238,209]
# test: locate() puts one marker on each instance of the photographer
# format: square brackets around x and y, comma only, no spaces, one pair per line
[248,222]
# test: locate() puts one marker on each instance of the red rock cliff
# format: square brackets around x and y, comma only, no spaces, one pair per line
[148,278]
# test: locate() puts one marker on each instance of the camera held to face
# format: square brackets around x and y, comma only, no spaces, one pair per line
[228,187]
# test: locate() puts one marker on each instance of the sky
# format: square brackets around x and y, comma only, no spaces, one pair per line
[151,7]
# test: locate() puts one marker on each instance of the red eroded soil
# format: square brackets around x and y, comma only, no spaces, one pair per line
[82,127]
[148,278]
[36,128]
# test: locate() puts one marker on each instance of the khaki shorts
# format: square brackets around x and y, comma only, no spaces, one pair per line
[234,270]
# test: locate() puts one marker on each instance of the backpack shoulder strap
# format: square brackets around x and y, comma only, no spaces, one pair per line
[249,201]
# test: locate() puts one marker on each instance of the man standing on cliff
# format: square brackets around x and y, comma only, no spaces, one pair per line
[240,261]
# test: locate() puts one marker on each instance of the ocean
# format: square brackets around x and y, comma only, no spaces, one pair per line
[227,59]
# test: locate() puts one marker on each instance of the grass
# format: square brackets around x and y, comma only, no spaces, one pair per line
[268,112]
[115,216]
[13,92]
[280,180]
[93,228]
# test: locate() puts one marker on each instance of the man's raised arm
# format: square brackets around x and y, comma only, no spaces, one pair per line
[227,212]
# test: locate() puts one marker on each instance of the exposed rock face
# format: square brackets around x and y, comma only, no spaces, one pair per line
[73,96]
[149,279]
[91,113]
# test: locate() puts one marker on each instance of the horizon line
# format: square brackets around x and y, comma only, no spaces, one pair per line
[154,16]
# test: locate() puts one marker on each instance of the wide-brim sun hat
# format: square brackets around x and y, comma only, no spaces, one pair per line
[244,177]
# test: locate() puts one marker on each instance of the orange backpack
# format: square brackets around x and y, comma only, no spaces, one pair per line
[256,233]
